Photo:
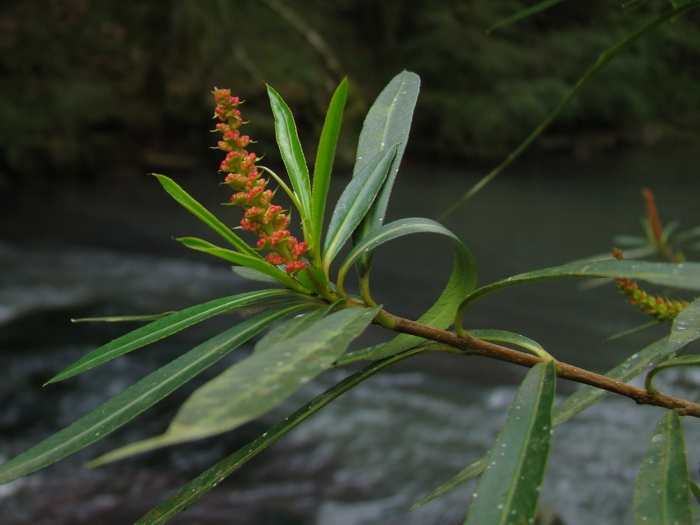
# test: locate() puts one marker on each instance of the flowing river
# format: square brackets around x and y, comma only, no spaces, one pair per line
[106,249]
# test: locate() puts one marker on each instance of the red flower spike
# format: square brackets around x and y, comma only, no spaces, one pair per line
[295,266]
[275,258]
[299,249]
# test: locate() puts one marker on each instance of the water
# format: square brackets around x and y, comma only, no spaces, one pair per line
[366,458]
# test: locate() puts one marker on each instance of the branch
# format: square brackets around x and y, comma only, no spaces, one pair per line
[472,346]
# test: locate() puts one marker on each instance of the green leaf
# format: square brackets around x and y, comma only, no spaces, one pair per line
[355,201]
[695,490]
[571,406]
[164,327]
[503,336]
[204,215]
[138,397]
[292,154]
[291,327]
[686,325]
[661,494]
[462,281]
[199,486]
[684,360]
[509,490]
[603,59]
[255,263]
[524,13]
[253,275]
[388,122]
[122,318]
[324,164]
[314,279]
[683,275]
[255,385]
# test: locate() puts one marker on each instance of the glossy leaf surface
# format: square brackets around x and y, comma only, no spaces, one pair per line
[131,402]
[571,406]
[199,486]
[204,215]
[509,490]
[683,275]
[662,491]
[292,154]
[164,327]
[259,383]
[388,122]
[253,275]
[355,201]
[686,325]
[440,315]
[503,336]
[324,160]
[290,328]
[255,263]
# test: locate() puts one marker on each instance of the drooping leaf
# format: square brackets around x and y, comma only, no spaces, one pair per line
[164,327]
[131,402]
[661,491]
[603,59]
[324,163]
[199,486]
[524,13]
[292,154]
[291,327]
[355,201]
[257,384]
[204,215]
[388,122]
[571,406]
[255,263]
[683,275]
[440,315]
[509,490]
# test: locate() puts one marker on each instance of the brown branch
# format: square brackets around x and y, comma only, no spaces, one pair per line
[473,346]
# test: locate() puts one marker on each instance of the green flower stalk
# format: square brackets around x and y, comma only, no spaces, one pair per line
[659,308]
[261,217]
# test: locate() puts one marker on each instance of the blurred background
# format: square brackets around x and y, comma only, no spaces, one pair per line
[94,95]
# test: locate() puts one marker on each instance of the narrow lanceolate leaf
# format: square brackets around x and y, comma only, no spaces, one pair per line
[253,275]
[571,406]
[255,263]
[683,275]
[524,13]
[662,489]
[440,315]
[199,486]
[509,490]
[324,162]
[204,215]
[503,336]
[292,154]
[695,490]
[137,398]
[122,318]
[164,327]
[388,122]
[290,328]
[355,201]
[686,325]
[252,387]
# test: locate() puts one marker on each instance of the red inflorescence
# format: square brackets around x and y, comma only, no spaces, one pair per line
[261,217]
